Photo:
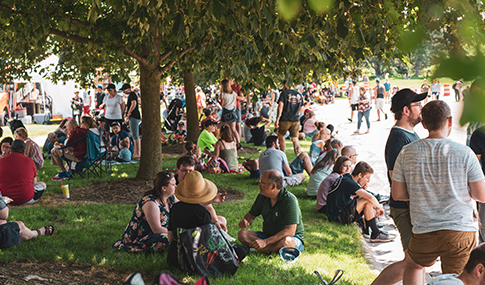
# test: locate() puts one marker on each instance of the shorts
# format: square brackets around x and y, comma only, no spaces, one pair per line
[453,247]
[293,127]
[238,115]
[228,116]
[349,214]
[254,174]
[380,103]
[403,223]
[354,107]
[296,166]
[292,180]
[135,127]
[86,109]
[296,238]
[9,235]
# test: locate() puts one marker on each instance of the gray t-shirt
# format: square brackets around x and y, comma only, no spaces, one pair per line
[437,173]
[446,279]
[272,159]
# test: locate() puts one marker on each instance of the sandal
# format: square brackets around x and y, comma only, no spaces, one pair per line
[48,230]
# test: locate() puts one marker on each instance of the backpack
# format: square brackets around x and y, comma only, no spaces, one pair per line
[205,251]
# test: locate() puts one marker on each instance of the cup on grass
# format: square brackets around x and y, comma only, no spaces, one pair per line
[65,191]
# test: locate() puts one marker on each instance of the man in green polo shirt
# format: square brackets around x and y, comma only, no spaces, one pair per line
[282,225]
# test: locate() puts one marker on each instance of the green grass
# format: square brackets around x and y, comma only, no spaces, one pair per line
[86,231]
[34,130]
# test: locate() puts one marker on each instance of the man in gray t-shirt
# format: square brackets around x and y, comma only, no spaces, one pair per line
[439,178]
[274,159]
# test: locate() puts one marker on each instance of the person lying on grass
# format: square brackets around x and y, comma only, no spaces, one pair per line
[147,230]
[14,233]
[282,223]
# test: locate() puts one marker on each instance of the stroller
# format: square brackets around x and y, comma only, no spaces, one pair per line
[15,124]
[174,114]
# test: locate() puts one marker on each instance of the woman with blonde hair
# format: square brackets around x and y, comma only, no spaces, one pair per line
[201,104]
[32,149]
[228,102]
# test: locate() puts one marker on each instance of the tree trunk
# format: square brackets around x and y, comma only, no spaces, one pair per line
[416,70]
[151,147]
[377,68]
[191,105]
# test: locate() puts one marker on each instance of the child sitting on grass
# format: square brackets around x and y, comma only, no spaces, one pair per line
[125,153]
[193,150]
[180,134]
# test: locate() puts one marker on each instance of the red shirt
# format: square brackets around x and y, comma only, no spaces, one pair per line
[17,173]
[80,147]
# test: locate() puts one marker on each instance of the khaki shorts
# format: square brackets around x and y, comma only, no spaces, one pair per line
[292,180]
[293,127]
[403,223]
[453,247]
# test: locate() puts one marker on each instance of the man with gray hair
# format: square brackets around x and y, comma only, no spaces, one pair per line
[282,223]
[439,178]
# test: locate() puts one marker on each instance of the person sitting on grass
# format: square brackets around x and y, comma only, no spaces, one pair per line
[32,149]
[19,176]
[195,193]
[226,148]
[14,233]
[252,165]
[193,150]
[320,171]
[344,207]
[119,135]
[320,126]
[147,230]
[207,138]
[124,154]
[275,159]
[180,134]
[257,134]
[282,220]
[318,146]
[342,166]
[6,146]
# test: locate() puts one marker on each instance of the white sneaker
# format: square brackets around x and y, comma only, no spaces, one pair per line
[382,237]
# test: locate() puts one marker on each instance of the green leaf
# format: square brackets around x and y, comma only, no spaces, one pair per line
[473,104]
[411,39]
[288,8]
[320,5]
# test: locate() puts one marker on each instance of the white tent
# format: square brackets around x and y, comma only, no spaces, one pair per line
[61,93]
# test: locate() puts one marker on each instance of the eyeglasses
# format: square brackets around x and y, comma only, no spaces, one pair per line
[416,105]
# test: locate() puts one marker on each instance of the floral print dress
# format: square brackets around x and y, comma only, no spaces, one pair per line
[138,236]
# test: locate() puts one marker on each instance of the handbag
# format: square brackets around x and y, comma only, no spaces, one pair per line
[204,250]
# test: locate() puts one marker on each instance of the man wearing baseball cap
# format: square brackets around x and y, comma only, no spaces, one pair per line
[406,106]
[99,96]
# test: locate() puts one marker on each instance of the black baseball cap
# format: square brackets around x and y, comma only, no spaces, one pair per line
[125,86]
[111,86]
[404,97]
[209,123]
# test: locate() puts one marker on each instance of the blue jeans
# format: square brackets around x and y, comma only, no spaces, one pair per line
[359,119]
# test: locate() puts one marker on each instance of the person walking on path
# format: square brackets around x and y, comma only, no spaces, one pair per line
[287,118]
[379,99]
[477,144]
[364,110]
[406,106]
[438,177]
[353,97]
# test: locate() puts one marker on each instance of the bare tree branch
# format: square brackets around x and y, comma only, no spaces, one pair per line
[131,53]
[70,37]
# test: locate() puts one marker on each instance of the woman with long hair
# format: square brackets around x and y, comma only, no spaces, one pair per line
[364,110]
[147,230]
[226,148]
[320,171]
[228,102]
[342,165]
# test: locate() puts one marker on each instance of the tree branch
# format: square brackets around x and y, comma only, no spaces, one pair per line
[70,37]
[131,53]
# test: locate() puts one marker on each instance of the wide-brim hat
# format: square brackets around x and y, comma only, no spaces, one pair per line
[404,97]
[195,189]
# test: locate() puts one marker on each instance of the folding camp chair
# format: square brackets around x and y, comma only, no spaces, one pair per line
[95,155]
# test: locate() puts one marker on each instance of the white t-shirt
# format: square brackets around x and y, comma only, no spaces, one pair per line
[355,95]
[86,98]
[446,279]
[437,173]
[229,100]
[113,109]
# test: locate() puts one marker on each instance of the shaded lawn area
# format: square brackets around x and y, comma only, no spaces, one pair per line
[86,230]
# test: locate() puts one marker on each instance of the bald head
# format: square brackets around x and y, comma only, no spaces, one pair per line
[350,152]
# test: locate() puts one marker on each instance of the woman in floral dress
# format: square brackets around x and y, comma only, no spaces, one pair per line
[147,229]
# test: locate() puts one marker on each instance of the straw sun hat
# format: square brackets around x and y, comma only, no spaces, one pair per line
[195,189]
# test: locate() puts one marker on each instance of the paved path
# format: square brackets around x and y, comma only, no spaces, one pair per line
[370,148]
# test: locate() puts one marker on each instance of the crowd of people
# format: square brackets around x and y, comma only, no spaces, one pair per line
[432,180]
